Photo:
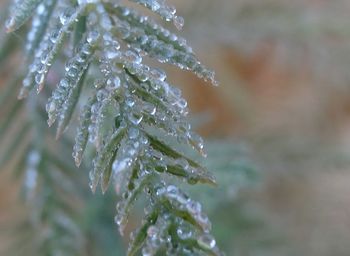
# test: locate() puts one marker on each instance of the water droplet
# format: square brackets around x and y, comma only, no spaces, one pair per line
[133,133]
[132,56]
[158,74]
[179,22]
[194,207]
[172,190]
[207,241]
[10,24]
[152,232]
[160,191]
[65,15]
[135,119]
[147,251]
[120,165]
[112,54]
[154,6]
[184,232]
[39,78]
[93,37]
[118,219]
[54,36]
[51,107]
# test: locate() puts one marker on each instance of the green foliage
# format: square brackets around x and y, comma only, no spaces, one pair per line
[125,125]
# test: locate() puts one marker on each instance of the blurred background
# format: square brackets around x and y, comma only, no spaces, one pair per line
[278,126]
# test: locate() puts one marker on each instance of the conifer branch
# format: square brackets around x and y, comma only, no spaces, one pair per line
[106,43]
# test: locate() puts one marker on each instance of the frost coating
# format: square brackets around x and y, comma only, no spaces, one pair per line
[21,11]
[131,112]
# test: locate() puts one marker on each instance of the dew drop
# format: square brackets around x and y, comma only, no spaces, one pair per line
[133,133]
[158,74]
[136,119]
[147,251]
[184,233]
[10,24]
[51,107]
[194,207]
[39,78]
[179,22]
[152,232]
[65,15]
[207,241]
[120,165]
[118,219]
[93,37]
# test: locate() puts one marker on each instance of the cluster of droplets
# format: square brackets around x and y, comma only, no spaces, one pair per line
[167,100]
[147,36]
[131,149]
[129,98]
[102,164]
[65,96]
[85,2]
[157,237]
[149,27]
[138,180]
[40,21]
[20,12]
[180,200]
[82,134]
[167,12]
[49,47]
[191,172]
[103,111]
[106,88]
[165,230]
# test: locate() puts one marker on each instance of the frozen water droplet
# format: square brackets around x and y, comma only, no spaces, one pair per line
[160,191]
[133,57]
[54,35]
[65,15]
[152,232]
[207,241]
[93,37]
[39,78]
[51,107]
[130,102]
[154,6]
[179,22]
[101,95]
[150,108]
[135,119]
[10,24]
[147,251]
[184,232]
[116,83]
[158,74]
[144,140]
[133,133]
[112,54]
[92,19]
[194,207]
[120,165]
[172,190]
[118,219]
[106,23]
